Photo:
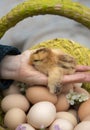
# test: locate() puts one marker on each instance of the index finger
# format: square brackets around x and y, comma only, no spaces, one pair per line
[82,68]
[74,78]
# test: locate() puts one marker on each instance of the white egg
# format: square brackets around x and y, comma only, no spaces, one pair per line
[14,117]
[77,84]
[25,127]
[67,116]
[84,125]
[73,111]
[15,100]
[61,124]
[41,114]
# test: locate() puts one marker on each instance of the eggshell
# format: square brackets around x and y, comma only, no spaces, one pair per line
[67,116]
[84,110]
[78,84]
[37,93]
[62,124]
[41,113]
[25,127]
[84,125]
[66,88]
[11,90]
[15,100]
[14,117]
[73,111]
[62,103]
[87,118]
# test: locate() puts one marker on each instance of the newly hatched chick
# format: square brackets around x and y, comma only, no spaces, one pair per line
[55,64]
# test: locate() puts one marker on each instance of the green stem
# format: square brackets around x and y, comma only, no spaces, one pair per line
[28,8]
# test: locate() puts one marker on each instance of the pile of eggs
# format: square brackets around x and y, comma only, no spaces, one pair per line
[39,109]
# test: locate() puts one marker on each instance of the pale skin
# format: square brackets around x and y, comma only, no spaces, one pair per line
[17,68]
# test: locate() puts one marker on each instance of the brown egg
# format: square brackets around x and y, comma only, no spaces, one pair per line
[14,117]
[66,88]
[84,109]
[38,93]
[62,103]
[15,100]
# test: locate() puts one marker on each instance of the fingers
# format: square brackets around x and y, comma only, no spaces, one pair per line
[80,76]
[26,54]
[82,68]
[75,78]
[87,77]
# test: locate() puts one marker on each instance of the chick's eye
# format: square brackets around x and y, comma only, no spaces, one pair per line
[36,60]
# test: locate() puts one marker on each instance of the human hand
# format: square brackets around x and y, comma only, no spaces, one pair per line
[81,75]
[17,68]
